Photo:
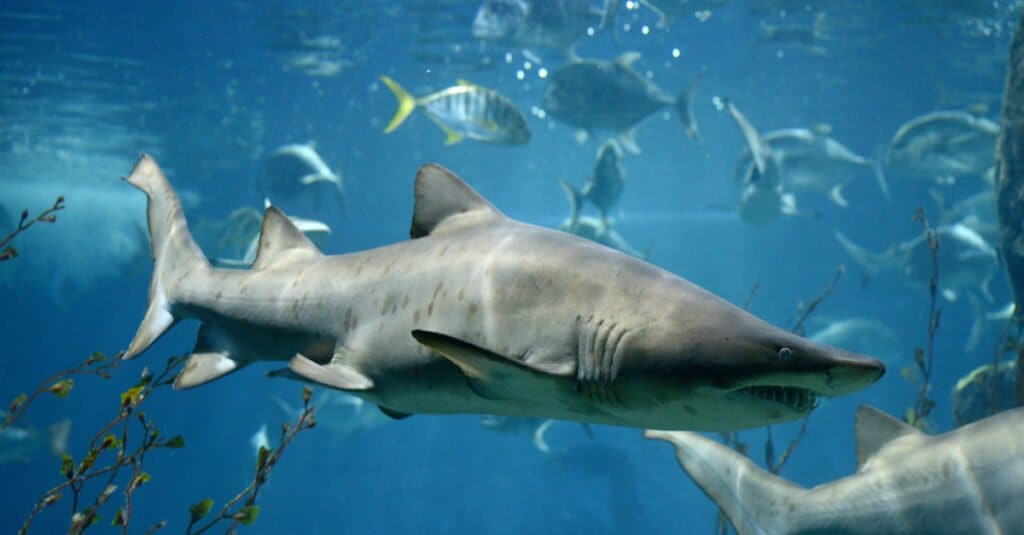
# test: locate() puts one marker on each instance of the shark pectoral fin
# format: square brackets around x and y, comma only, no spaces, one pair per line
[875,429]
[538,436]
[394,415]
[204,367]
[334,374]
[490,375]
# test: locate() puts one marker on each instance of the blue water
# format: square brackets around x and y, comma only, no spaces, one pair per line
[198,87]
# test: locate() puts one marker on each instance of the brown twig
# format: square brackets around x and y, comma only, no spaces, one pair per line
[78,475]
[266,459]
[60,384]
[7,251]
[923,405]
[805,311]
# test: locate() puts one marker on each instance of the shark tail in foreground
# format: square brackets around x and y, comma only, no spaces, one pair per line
[182,277]
[175,254]
[747,494]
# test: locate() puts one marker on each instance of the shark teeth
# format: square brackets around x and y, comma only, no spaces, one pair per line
[798,399]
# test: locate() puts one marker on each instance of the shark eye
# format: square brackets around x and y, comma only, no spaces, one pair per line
[785,353]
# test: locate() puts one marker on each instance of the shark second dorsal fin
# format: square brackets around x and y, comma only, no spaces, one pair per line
[442,199]
[875,429]
[281,240]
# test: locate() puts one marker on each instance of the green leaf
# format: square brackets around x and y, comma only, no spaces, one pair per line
[15,405]
[307,394]
[176,442]
[198,510]
[62,388]
[261,457]
[118,518]
[95,358]
[67,465]
[130,396]
[247,516]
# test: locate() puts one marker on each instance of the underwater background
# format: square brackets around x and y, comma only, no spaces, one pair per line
[210,88]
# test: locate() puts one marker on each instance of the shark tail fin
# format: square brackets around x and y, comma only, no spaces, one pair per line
[575,198]
[406,104]
[872,263]
[753,499]
[175,253]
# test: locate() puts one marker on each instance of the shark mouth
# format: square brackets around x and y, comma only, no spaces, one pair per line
[796,398]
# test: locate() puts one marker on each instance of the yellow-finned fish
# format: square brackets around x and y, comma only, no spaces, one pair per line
[464,110]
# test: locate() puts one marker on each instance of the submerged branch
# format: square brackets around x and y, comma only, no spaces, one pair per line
[7,251]
[924,358]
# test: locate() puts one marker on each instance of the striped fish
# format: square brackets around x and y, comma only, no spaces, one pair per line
[464,110]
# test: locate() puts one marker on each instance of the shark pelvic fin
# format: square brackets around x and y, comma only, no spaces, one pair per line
[394,415]
[445,201]
[204,367]
[490,375]
[875,429]
[281,241]
[334,374]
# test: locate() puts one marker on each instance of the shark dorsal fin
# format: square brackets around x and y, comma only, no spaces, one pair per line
[443,199]
[281,240]
[627,59]
[875,429]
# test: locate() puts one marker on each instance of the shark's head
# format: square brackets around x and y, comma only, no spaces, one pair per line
[722,368]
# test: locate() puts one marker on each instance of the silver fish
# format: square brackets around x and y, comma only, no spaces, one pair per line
[463,111]
[943,146]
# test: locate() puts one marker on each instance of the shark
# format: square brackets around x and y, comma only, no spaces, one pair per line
[966,481]
[480,313]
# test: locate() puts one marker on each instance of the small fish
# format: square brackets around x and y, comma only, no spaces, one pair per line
[966,261]
[610,95]
[259,440]
[18,444]
[464,110]
[865,335]
[293,170]
[531,24]
[317,231]
[602,232]
[604,187]
[670,10]
[804,36]
[520,425]
[971,394]
[943,146]
[339,414]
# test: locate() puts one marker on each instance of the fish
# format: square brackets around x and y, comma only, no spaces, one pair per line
[317,231]
[943,146]
[809,159]
[479,313]
[966,481]
[340,414]
[977,212]
[464,110]
[966,261]
[601,231]
[19,444]
[259,440]
[861,335]
[533,24]
[604,188]
[670,10]
[808,37]
[295,170]
[595,94]
[518,425]
[982,393]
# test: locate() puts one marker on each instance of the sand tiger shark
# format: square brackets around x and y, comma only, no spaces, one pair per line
[479,313]
[965,482]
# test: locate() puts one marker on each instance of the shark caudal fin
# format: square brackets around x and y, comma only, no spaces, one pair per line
[175,253]
[873,263]
[754,500]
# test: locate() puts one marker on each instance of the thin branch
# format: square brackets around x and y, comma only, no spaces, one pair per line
[804,312]
[7,251]
[923,405]
[60,384]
